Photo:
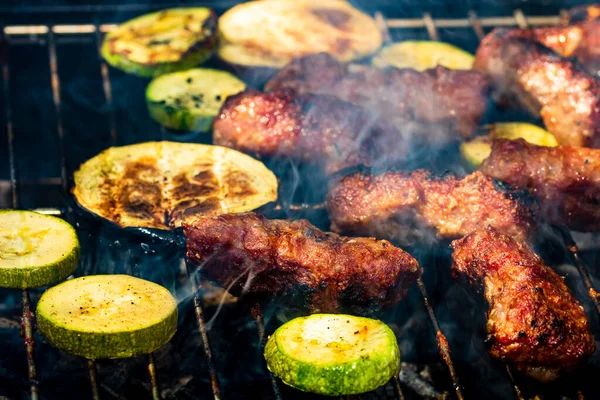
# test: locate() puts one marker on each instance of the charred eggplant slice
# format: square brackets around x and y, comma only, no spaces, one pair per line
[189,100]
[333,354]
[161,184]
[165,41]
[107,316]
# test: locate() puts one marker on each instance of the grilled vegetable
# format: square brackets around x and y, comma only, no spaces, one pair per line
[189,100]
[161,184]
[107,316]
[35,249]
[164,41]
[333,354]
[478,149]
[422,55]
[270,33]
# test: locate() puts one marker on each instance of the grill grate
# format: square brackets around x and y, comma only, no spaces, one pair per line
[48,35]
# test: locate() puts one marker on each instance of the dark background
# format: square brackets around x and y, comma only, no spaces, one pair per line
[12,11]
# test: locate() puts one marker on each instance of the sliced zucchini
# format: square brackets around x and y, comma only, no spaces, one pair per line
[161,184]
[270,33]
[163,41]
[478,149]
[107,316]
[422,55]
[35,249]
[333,354]
[189,100]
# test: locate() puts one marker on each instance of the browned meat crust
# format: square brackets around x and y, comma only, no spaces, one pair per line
[525,72]
[416,207]
[581,41]
[435,106]
[308,128]
[259,257]
[565,179]
[534,321]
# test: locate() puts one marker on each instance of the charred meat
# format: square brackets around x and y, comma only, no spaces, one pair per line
[434,106]
[565,179]
[525,72]
[418,207]
[249,254]
[534,321]
[306,128]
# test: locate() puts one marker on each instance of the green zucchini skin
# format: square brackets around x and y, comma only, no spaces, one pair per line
[197,54]
[34,277]
[107,316]
[94,345]
[150,71]
[190,100]
[355,377]
[46,274]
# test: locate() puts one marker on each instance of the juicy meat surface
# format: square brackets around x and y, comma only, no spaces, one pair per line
[580,41]
[565,179]
[532,76]
[435,106]
[534,321]
[249,254]
[308,128]
[418,207]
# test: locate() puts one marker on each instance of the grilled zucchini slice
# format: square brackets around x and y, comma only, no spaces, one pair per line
[161,42]
[270,33]
[189,100]
[478,149]
[107,316]
[333,354]
[161,184]
[35,250]
[422,55]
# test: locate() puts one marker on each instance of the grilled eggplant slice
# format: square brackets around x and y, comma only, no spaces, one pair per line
[333,354]
[270,33]
[423,54]
[161,184]
[107,316]
[480,148]
[161,42]
[189,100]
[35,250]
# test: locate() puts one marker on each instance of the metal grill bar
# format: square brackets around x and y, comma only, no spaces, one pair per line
[8,115]
[476,25]
[516,388]
[580,265]
[153,377]
[107,87]
[55,83]
[489,22]
[214,380]
[27,326]
[257,314]
[93,379]
[441,341]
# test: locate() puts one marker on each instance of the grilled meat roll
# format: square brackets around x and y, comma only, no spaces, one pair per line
[308,128]
[249,254]
[418,207]
[534,321]
[532,76]
[565,179]
[434,106]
